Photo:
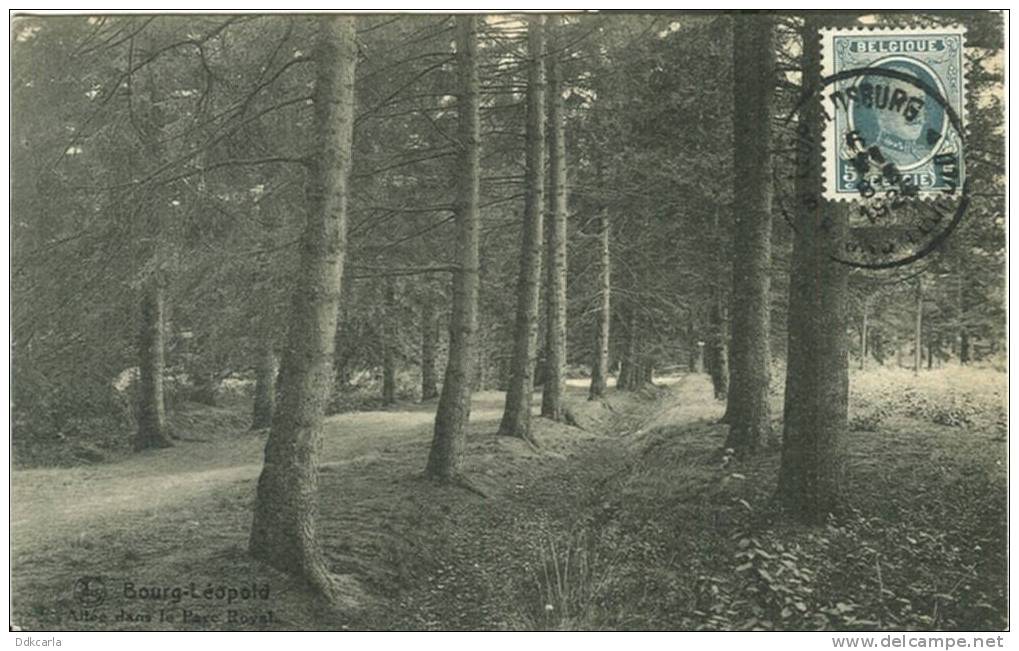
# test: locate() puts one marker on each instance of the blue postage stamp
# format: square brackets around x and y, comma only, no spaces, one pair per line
[895,106]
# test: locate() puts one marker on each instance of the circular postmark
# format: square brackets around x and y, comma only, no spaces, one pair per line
[90,590]
[896,147]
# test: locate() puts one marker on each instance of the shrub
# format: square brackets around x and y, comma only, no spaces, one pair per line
[68,422]
[365,393]
[955,397]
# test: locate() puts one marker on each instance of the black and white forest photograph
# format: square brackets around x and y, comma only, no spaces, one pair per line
[504,320]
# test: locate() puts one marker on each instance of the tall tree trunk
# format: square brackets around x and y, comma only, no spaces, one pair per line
[516,418]
[152,431]
[429,389]
[717,353]
[625,350]
[205,386]
[343,352]
[753,85]
[625,366]
[389,344]
[863,337]
[483,364]
[817,371]
[283,532]
[918,330]
[961,321]
[265,387]
[635,366]
[555,249]
[445,459]
[481,374]
[600,365]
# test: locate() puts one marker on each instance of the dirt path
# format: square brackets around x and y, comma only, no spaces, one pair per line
[59,502]
[429,556]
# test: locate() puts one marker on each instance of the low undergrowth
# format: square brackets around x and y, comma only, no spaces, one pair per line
[967,398]
[695,541]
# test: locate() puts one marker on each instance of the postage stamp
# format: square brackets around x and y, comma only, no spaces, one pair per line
[896,106]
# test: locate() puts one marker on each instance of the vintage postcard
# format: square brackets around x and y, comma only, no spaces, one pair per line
[510,321]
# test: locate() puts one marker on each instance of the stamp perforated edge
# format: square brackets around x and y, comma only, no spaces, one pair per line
[829,142]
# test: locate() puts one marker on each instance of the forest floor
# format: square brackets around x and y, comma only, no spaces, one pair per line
[637,521]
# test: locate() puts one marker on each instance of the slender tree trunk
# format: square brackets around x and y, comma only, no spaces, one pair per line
[389,345]
[863,338]
[540,355]
[152,432]
[429,389]
[918,330]
[961,321]
[205,386]
[283,532]
[600,366]
[555,247]
[636,365]
[483,364]
[625,366]
[482,372]
[343,347]
[753,85]
[516,418]
[445,460]
[716,353]
[642,360]
[817,371]
[692,361]
[717,350]
[625,351]
[265,387]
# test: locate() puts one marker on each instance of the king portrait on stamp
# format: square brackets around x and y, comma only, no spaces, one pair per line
[898,97]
